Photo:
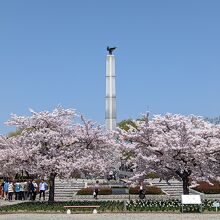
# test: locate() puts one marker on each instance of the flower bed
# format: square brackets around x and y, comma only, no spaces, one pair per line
[58,207]
[207,188]
[89,191]
[109,206]
[150,190]
[168,206]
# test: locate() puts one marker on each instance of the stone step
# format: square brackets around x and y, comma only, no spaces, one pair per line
[170,187]
[63,188]
[67,197]
[164,184]
[64,193]
[167,186]
[175,188]
[172,190]
[69,182]
[69,185]
[63,196]
[73,190]
[66,187]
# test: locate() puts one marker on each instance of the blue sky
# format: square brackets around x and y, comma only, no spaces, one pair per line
[53,52]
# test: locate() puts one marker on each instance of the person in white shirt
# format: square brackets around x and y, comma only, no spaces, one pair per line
[10,191]
[43,187]
[34,188]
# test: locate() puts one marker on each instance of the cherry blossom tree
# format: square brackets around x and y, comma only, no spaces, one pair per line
[173,145]
[95,149]
[52,145]
[7,159]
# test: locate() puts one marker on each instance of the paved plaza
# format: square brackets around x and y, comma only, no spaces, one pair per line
[141,216]
[6,202]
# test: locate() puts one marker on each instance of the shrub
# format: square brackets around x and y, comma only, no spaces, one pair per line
[207,188]
[151,190]
[152,175]
[89,191]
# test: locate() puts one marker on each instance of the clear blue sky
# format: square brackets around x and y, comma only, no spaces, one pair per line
[53,52]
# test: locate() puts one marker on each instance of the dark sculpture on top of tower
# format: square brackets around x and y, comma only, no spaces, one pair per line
[110,49]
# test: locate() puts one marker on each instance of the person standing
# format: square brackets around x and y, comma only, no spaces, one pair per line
[141,191]
[30,189]
[34,190]
[6,185]
[21,190]
[25,188]
[2,187]
[96,190]
[10,191]
[43,187]
[17,191]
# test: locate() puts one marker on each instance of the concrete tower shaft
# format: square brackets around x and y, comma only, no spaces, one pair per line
[110,106]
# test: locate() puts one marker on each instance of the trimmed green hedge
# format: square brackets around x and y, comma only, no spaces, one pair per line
[89,191]
[152,175]
[151,190]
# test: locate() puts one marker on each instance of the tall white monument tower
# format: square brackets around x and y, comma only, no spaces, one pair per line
[110,99]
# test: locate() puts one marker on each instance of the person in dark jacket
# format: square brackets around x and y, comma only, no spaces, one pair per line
[30,189]
[96,190]
[34,190]
[141,191]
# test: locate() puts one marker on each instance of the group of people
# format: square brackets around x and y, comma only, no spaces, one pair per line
[23,190]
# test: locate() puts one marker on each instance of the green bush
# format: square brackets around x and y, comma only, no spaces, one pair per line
[89,191]
[151,190]
[152,176]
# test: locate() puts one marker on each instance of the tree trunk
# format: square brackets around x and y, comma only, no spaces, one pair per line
[51,187]
[185,185]
[185,178]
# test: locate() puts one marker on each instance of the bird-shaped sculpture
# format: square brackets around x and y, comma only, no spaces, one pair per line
[110,49]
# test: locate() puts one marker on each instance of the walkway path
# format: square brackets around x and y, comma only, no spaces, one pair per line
[110,216]
[6,202]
